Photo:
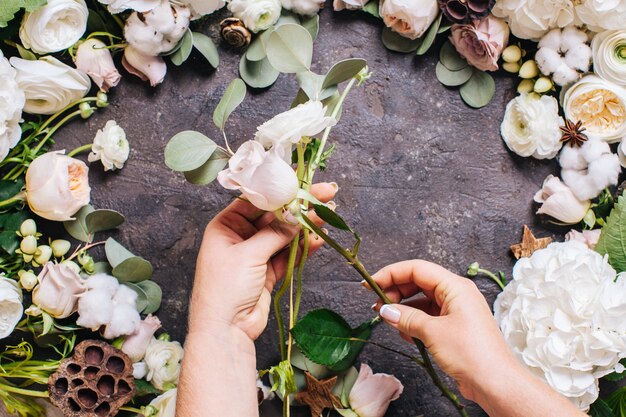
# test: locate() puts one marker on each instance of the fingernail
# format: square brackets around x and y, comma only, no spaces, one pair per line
[335,186]
[389,313]
[325,230]
[373,307]
[332,205]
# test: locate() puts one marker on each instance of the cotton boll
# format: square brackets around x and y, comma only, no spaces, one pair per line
[126,296]
[572,158]
[103,282]
[95,309]
[548,60]
[124,321]
[605,171]
[551,40]
[594,149]
[572,37]
[579,57]
[564,75]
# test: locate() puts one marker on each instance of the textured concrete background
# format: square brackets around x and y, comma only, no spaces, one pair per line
[420,174]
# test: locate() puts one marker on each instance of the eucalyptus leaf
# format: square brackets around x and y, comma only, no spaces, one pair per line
[452,78]
[154,293]
[301,98]
[343,71]
[233,96]
[77,228]
[258,74]
[102,268]
[290,48]
[101,220]
[133,269]
[450,58]
[330,217]
[444,27]
[310,83]
[256,50]
[115,252]
[331,103]
[188,150]
[397,43]
[25,53]
[478,91]
[312,24]
[142,297]
[207,48]
[184,49]
[372,7]
[428,38]
[144,388]
[207,173]
[613,235]
[287,17]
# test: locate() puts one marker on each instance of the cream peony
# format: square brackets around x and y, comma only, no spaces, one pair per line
[564,55]
[557,200]
[118,6]
[286,129]
[94,59]
[163,360]
[58,290]
[148,68]
[256,15]
[303,7]
[57,186]
[533,19]
[12,102]
[165,404]
[263,178]
[409,18]
[110,147]
[481,42]
[339,5]
[601,15]
[48,84]
[531,126]
[563,317]
[11,308]
[609,56]
[54,27]
[371,393]
[135,345]
[599,105]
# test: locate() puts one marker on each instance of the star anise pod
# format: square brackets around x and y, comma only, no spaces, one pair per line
[573,133]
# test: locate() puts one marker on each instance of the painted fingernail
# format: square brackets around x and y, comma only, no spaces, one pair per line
[332,205]
[325,230]
[335,186]
[373,307]
[389,313]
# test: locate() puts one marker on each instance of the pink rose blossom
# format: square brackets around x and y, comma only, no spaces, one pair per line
[136,344]
[481,42]
[371,394]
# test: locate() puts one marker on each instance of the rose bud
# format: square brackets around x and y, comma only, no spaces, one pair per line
[148,68]
[11,308]
[559,201]
[410,19]
[481,42]
[58,289]
[94,59]
[136,344]
[371,394]
[588,237]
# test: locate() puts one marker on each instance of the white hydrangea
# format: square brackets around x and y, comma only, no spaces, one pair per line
[533,19]
[303,7]
[12,100]
[564,54]
[601,15]
[562,315]
[589,169]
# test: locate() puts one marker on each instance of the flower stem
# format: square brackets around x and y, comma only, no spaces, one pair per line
[80,149]
[21,196]
[493,277]
[23,391]
[54,129]
[133,410]
[293,252]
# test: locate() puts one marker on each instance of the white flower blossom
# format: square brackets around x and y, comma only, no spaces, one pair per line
[558,201]
[110,147]
[531,20]
[12,102]
[408,18]
[163,360]
[11,308]
[564,55]
[256,15]
[303,7]
[609,56]
[165,404]
[601,15]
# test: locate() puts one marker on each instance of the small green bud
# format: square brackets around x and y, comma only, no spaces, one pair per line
[102,99]
[512,53]
[87,262]
[85,110]
[28,245]
[543,85]
[60,247]
[472,270]
[43,254]
[164,337]
[512,67]
[28,228]
[72,265]
[529,69]
[526,86]
[28,280]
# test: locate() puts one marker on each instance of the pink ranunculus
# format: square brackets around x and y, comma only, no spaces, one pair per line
[136,344]
[371,394]
[481,42]
[58,290]
[94,59]
[148,68]
[588,237]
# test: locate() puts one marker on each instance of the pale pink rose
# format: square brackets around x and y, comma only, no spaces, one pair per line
[58,290]
[588,237]
[371,394]
[148,68]
[136,344]
[94,59]
[263,177]
[57,186]
[559,201]
[339,5]
[408,18]
[481,42]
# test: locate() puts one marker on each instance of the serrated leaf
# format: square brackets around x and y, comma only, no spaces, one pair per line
[77,228]
[312,24]
[188,150]
[142,298]
[184,49]
[617,402]
[233,96]
[207,48]
[428,38]
[290,48]
[450,58]
[8,9]
[478,91]
[343,71]
[258,74]
[207,173]
[101,220]
[154,296]
[115,252]
[331,217]
[133,269]
[256,50]
[452,78]
[372,8]
[613,236]
[600,409]
[398,43]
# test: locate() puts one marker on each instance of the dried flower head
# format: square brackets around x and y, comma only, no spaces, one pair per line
[465,11]
[235,32]
[573,133]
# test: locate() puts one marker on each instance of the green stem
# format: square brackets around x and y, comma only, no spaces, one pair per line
[21,196]
[132,410]
[293,252]
[54,129]
[80,149]
[492,276]
[23,391]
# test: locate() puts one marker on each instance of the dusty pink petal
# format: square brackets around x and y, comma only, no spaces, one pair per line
[148,68]
[136,344]
[372,393]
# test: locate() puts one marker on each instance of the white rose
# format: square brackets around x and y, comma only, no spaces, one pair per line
[163,361]
[110,147]
[409,18]
[266,180]
[49,84]
[531,126]
[286,129]
[601,15]
[57,186]
[54,27]
[201,8]
[303,7]
[256,15]
[159,30]
[11,308]
[94,59]
[564,54]
[147,67]
[118,6]
[609,56]
[558,201]
[599,105]
[531,20]
[58,290]
[12,102]
[339,5]
[165,404]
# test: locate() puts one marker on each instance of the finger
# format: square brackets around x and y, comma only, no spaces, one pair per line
[242,208]
[425,304]
[269,240]
[408,320]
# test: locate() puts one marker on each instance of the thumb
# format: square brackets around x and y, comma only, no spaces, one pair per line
[408,320]
[271,238]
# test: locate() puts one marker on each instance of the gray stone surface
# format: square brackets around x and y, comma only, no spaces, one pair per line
[420,174]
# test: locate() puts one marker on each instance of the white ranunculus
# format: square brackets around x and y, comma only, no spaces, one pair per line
[609,56]
[303,7]
[286,129]
[201,8]
[558,201]
[564,55]
[256,15]
[562,315]
[531,126]
[12,102]
[163,360]
[159,30]
[94,59]
[11,308]
[165,404]
[263,177]
[531,20]
[54,27]
[600,106]
[601,15]
[110,147]
[48,84]
[339,5]
[57,186]
[409,18]
[142,6]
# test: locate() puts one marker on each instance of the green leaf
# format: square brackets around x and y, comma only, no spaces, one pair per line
[188,150]
[283,377]
[258,74]
[299,361]
[8,9]
[101,220]
[479,90]
[287,17]
[617,402]
[9,241]
[115,252]
[48,323]
[324,336]
[12,221]
[445,27]
[613,236]
[346,412]
[343,71]
[331,217]
[428,38]
[372,8]
[134,269]
[184,49]
[256,50]
[25,53]
[9,189]
[144,388]
[207,48]
[398,43]
[450,58]
[154,293]
[207,173]
[102,268]
[600,409]
[77,228]
[142,298]
[290,48]
[452,78]
[312,24]
[310,83]
[233,96]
